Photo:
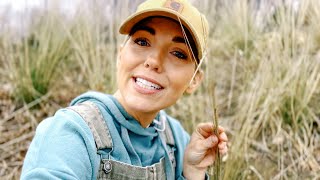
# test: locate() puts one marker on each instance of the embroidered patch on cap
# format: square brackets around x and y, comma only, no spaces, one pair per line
[174,5]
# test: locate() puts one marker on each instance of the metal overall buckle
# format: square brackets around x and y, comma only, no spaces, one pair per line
[107,166]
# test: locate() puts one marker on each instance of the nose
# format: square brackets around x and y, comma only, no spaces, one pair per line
[154,62]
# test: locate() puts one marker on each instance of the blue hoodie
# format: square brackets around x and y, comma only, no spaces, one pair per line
[64,148]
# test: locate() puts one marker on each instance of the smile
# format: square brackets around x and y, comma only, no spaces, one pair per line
[147,84]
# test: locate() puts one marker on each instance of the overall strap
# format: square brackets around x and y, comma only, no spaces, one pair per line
[167,134]
[168,138]
[91,114]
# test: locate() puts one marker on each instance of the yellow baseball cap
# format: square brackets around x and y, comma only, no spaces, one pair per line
[181,10]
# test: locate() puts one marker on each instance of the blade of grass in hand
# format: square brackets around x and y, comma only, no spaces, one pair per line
[217,164]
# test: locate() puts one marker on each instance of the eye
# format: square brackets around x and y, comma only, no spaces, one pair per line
[142,42]
[179,55]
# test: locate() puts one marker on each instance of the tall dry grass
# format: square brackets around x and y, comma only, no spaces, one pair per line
[274,84]
[264,59]
[34,61]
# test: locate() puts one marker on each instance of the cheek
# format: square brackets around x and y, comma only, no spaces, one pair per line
[123,63]
[181,78]
[122,67]
[128,59]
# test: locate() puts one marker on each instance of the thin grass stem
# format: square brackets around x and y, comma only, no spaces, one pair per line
[215,170]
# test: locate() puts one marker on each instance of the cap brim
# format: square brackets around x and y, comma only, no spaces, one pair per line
[127,25]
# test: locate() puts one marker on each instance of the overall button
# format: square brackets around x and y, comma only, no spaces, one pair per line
[107,167]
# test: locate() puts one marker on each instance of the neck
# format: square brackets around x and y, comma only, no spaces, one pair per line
[144,118]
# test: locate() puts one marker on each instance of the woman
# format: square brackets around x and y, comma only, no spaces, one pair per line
[126,135]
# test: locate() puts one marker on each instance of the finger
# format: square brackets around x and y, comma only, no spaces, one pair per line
[223,148]
[208,143]
[223,151]
[206,129]
[221,129]
[222,145]
[208,159]
[223,137]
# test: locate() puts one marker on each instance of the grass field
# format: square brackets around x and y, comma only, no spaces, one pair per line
[263,58]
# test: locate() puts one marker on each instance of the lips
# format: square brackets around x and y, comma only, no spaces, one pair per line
[147,84]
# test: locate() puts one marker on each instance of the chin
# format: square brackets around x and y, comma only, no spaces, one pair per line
[142,105]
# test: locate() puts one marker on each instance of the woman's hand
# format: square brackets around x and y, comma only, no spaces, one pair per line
[200,152]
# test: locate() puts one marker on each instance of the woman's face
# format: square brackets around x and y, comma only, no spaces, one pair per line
[155,67]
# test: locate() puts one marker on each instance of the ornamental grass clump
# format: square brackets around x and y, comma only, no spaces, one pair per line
[275,112]
[35,58]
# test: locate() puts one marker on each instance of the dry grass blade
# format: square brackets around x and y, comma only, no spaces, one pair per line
[216,169]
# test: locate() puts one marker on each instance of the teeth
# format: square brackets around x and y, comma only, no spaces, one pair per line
[147,84]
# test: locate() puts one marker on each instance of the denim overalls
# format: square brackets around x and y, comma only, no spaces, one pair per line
[111,169]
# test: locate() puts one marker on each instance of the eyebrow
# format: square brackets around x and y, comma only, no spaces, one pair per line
[179,39]
[144,28]
[176,39]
